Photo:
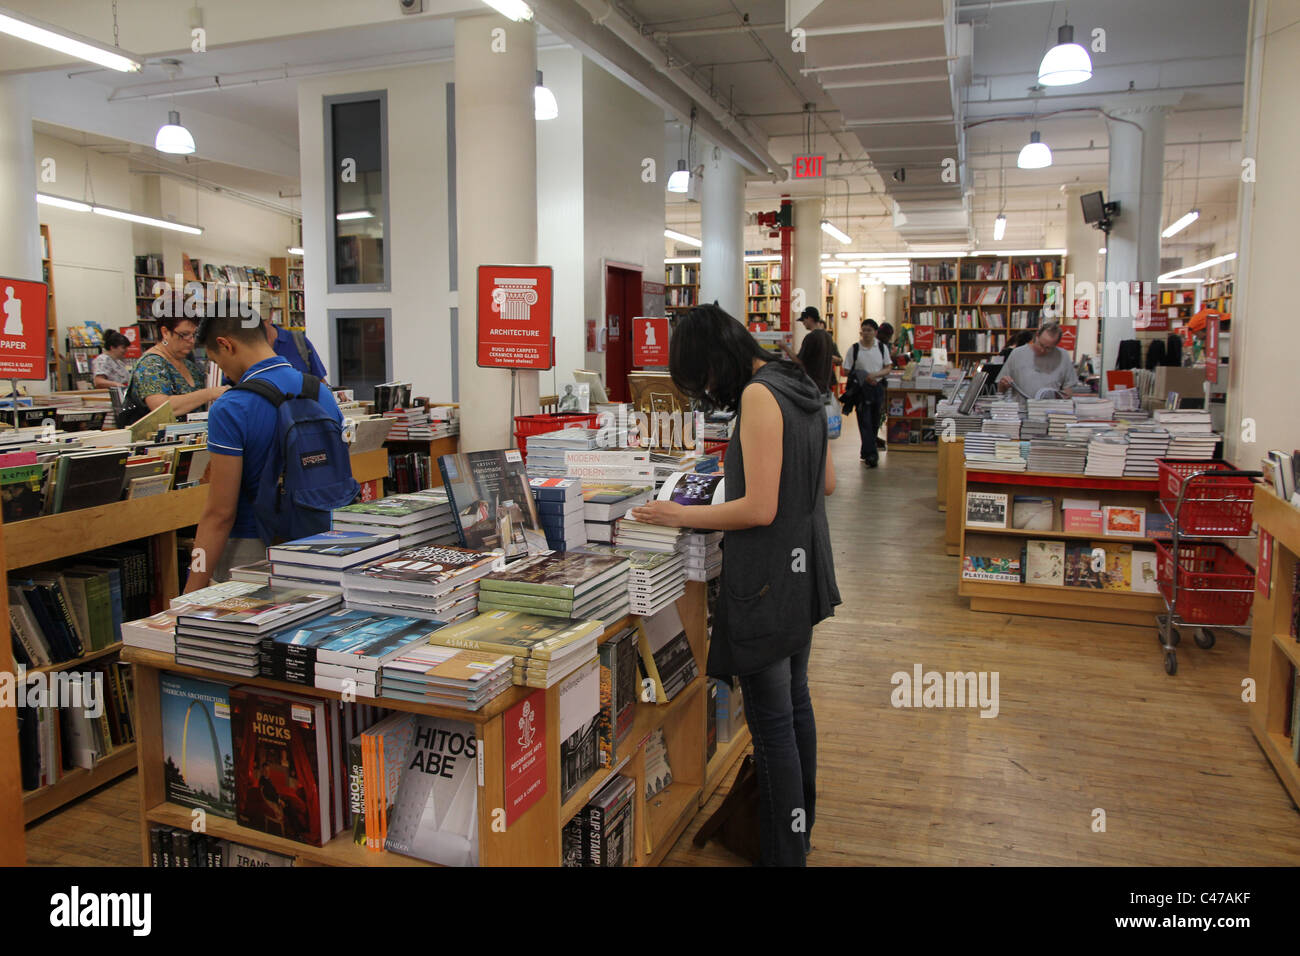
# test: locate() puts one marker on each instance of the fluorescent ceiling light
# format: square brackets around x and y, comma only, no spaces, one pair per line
[680,180]
[759,258]
[1198,267]
[826,255]
[544,105]
[359,214]
[513,9]
[295,251]
[1035,154]
[1102,250]
[999,227]
[1066,63]
[681,260]
[62,203]
[1176,227]
[55,38]
[1179,281]
[1028,252]
[172,137]
[682,237]
[830,229]
[147,220]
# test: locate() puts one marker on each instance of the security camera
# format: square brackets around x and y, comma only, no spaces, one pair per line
[411,6]
[900,175]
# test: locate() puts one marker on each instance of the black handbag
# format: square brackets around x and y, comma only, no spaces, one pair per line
[130,409]
[735,822]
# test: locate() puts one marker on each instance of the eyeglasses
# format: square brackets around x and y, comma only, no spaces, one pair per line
[187,336]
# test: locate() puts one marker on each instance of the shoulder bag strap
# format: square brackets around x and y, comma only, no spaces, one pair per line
[265,389]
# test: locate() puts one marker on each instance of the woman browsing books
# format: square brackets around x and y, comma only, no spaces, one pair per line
[168,373]
[778,577]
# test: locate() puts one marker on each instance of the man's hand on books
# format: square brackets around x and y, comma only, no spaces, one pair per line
[667,513]
[1005,381]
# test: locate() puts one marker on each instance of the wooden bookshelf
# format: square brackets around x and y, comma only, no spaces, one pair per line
[763,295]
[12,849]
[681,287]
[1274,652]
[290,298]
[915,424]
[1081,604]
[53,375]
[534,839]
[954,499]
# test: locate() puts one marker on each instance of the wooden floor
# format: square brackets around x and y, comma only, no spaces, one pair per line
[1088,719]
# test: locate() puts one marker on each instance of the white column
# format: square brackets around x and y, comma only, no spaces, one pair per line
[1083,262]
[1136,182]
[20,235]
[848,298]
[892,310]
[808,260]
[722,259]
[496,204]
[875,302]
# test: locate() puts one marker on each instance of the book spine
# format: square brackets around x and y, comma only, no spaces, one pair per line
[24,637]
[155,847]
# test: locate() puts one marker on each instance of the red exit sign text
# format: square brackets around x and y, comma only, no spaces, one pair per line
[810,167]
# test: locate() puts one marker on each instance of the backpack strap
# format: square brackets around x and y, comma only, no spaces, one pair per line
[268,391]
[304,350]
[310,387]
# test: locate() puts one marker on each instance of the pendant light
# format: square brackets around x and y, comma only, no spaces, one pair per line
[680,180]
[515,10]
[1035,154]
[544,105]
[999,227]
[1189,217]
[1066,63]
[173,137]
[1000,223]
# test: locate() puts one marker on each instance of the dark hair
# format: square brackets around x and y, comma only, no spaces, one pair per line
[169,322]
[885,332]
[871,323]
[234,327]
[811,313]
[711,356]
[112,339]
[1024,338]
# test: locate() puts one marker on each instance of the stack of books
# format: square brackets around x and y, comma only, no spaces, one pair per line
[417,519]
[1005,420]
[452,677]
[657,579]
[259,573]
[1060,455]
[572,585]
[703,555]
[960,424]
[1107,452]
[546,451]
[1040,408]
[1058,424]
[606,502]
[320,560]
[433,583]
[603,832]
[630,533]
[410,424]
[1191,436]
[561,510]
[545,649]
[444,420]
[1094,409]
[227,636]
[1146,444]
[342,651]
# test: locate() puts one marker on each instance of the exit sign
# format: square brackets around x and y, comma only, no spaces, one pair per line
[810,167]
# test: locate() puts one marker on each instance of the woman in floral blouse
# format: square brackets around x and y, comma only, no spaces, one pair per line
[168,373]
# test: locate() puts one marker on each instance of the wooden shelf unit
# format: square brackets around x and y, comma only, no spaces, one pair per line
[290,299]
[681,286]
[1274,653]
[534,839]
[1037,600]
[960,290]
[53,375]
[916,425]
[763,295]
[434,448]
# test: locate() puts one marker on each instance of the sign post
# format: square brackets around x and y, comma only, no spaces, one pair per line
[514,320]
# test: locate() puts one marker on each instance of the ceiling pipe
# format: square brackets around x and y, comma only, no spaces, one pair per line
[715,31]
[636,59]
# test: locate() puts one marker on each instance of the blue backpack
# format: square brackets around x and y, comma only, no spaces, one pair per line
[308,472]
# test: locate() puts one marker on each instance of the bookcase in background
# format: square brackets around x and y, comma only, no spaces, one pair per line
[51,318]
[912,428]
[1274,649]
[763,295]
[681,287]
[289,299]
[12,851]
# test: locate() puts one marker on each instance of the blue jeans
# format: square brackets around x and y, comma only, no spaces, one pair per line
[779,711]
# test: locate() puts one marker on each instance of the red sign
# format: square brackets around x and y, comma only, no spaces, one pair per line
[649,342]
[923,337]
[1264,569]
[1081,308]
[1212,349]
[1150,316]
[132,333]
[807,166]
[524,730]
[1069,337]
[514,317]
[23,340]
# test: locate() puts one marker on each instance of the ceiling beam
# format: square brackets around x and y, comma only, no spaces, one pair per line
[883,27]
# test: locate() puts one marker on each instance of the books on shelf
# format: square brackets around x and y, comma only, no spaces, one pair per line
[620,688]
[225,636]
[452,677]
[434,814]
[1124,521]
[1005,569]
[603,833]
[493,502]
[986,509]
[432,582]
[579,696]
[1032,512]
[198,760]
[546,649]
[1045,562]
[666,656]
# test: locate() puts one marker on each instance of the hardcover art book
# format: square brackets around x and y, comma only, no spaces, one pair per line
[429,570]
[1045,562]
[259,611]
[334,549]
[435,814]
[1032,513]
[493,502]
[512,632]
[198,763]
[986,510]
[694,488]
[568,576]
[1079,569]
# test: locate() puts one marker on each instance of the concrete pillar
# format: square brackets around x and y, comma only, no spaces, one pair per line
[892,310]
[496,204]
[808,261]
[1083,261]
[722,259]
[875,302]
[1136,182]
[20,236]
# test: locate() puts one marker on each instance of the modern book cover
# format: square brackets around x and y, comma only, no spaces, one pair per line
[435,814]
[1032,513]
[426,569]
[261,610]
[986,509]
[493,502]
[198,762]
[567,575]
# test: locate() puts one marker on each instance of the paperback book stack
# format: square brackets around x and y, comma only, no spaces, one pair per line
[1094,409]
[572,585]
[606,502]
[545,649]
[417,519]
[433,583]
[703,555]
[158,631]
[657,579]
[987,452]
[546,451]
[1038,409]
[320,560]
[410,424]
[343,650]
[958,424]
[630,533]
[1004,419]
[1060,455]
[1191,436]
[561,510]
[227,636]
[444,420]
[1146,444]
[1058,424]
[1107,452]
[453,677]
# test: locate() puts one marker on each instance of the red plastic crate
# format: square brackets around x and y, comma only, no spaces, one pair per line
[1211,505]
[526,425]
[1215,586]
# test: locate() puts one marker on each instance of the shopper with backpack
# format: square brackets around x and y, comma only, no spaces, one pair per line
[279,464]
[868,362]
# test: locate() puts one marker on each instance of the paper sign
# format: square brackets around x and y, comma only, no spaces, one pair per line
[1069,337]
[24,334]
[650,342]
[132,333]
[514,317]
[924,337]
[524,730]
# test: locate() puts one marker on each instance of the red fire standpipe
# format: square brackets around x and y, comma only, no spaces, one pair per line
[787,260]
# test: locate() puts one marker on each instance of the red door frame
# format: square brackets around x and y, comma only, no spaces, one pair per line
[622,297]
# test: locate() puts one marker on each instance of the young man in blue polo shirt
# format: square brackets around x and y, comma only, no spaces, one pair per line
[241,433]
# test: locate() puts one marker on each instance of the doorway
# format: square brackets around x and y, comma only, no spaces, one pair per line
[622,302]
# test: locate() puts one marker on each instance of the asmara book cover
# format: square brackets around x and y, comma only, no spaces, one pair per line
[493,501]
[277,749]
[198,763]
[435,814]
[512,632]
[560,575]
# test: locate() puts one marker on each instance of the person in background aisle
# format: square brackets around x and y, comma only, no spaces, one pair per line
[816,351]
[168,373]
[241,430]
[295,348]
[109,367]
[1039,366]
[999,365]
[885,336]
[868,360]
[836,359]
[778,574]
